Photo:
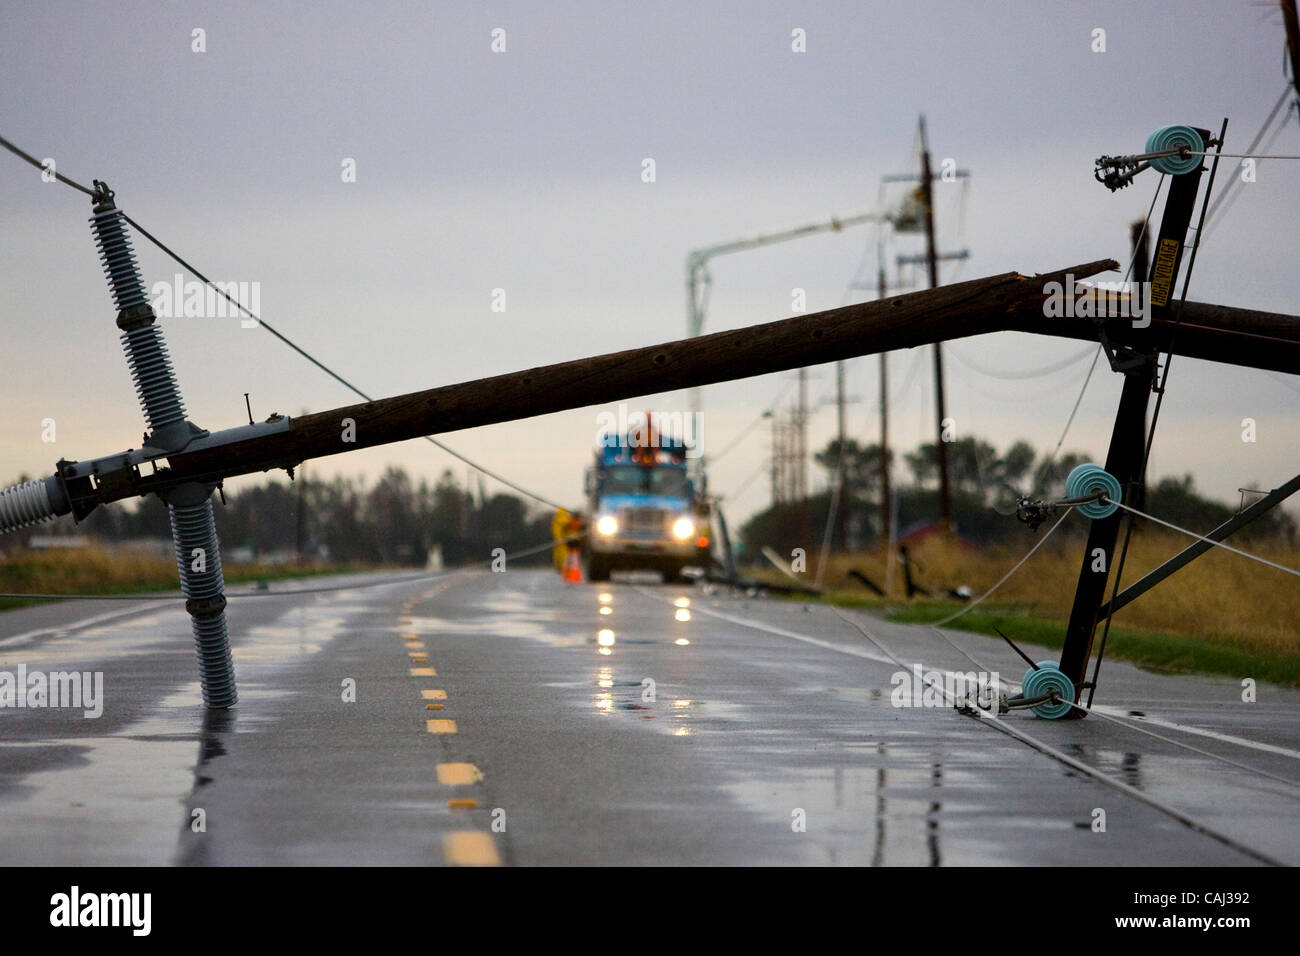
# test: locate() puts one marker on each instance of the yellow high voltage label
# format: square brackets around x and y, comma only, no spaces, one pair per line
[1163,278]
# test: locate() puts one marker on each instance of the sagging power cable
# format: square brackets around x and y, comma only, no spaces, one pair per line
[325,368]
[1116,720]
[28,157]
[1229,195]
[1006,577]
[1040,372]
[1201,537]
[21,154]
[1186,746]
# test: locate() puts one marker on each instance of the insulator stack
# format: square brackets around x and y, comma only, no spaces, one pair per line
[155,382]
[23,505]
[142,339]
[194,533]
[116,256]
[198,559]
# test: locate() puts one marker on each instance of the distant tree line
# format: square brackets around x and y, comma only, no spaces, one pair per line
[395,520]
[984,485]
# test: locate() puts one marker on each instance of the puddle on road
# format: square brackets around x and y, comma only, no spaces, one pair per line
[658,704]
[119,798]
[114,801]
[895,813]
[535,626]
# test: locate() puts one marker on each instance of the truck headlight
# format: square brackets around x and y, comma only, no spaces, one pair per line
[683,528]
[607,525]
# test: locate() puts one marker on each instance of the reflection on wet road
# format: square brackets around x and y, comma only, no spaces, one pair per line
[513,718]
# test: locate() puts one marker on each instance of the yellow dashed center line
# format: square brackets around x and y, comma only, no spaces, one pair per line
[465,848]
[458,774]
[470,849]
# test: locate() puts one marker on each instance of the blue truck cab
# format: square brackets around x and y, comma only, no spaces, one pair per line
[643,511]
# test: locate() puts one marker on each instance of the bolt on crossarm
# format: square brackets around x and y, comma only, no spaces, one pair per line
[194,533]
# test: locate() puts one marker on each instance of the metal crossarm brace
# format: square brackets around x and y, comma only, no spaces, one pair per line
[1189,554]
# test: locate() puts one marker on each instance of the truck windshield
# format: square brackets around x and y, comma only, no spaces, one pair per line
[668,481]
[635,480]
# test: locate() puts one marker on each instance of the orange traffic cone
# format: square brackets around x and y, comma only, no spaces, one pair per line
[573,568]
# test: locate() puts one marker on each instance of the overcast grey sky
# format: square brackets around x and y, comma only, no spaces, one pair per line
[521,170]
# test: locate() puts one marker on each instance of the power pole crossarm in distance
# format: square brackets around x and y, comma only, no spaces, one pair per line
[697,260]
[698,279]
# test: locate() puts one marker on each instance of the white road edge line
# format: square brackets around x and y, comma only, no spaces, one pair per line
[1112,711]
[1044,748]
[81,623]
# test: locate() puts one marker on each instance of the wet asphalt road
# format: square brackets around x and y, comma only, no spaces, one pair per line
[493,723]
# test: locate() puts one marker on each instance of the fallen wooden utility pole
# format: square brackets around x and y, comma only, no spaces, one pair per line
[921,318]
[187,462]
[997,303]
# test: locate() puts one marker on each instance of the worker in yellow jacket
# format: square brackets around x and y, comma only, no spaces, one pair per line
[566,530]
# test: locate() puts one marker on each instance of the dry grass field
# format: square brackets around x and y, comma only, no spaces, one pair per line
[1222,613]
[97,570]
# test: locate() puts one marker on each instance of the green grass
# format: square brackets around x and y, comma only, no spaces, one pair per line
[1164,653]
[1150,650]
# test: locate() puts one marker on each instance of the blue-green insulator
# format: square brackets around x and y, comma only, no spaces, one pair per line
[1172,137]
[1044,680]
[1089,479]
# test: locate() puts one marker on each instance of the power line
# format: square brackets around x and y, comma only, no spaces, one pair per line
[1032,373]
[1199,537]
[41,166]
[748,481]
[325,368]
[713,459]
[22,154]
[1003,580]
[1226,199]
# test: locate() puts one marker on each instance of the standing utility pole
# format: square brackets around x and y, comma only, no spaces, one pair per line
[932,265]
[885,506]
[801,440]
[841,530]
[907,223]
